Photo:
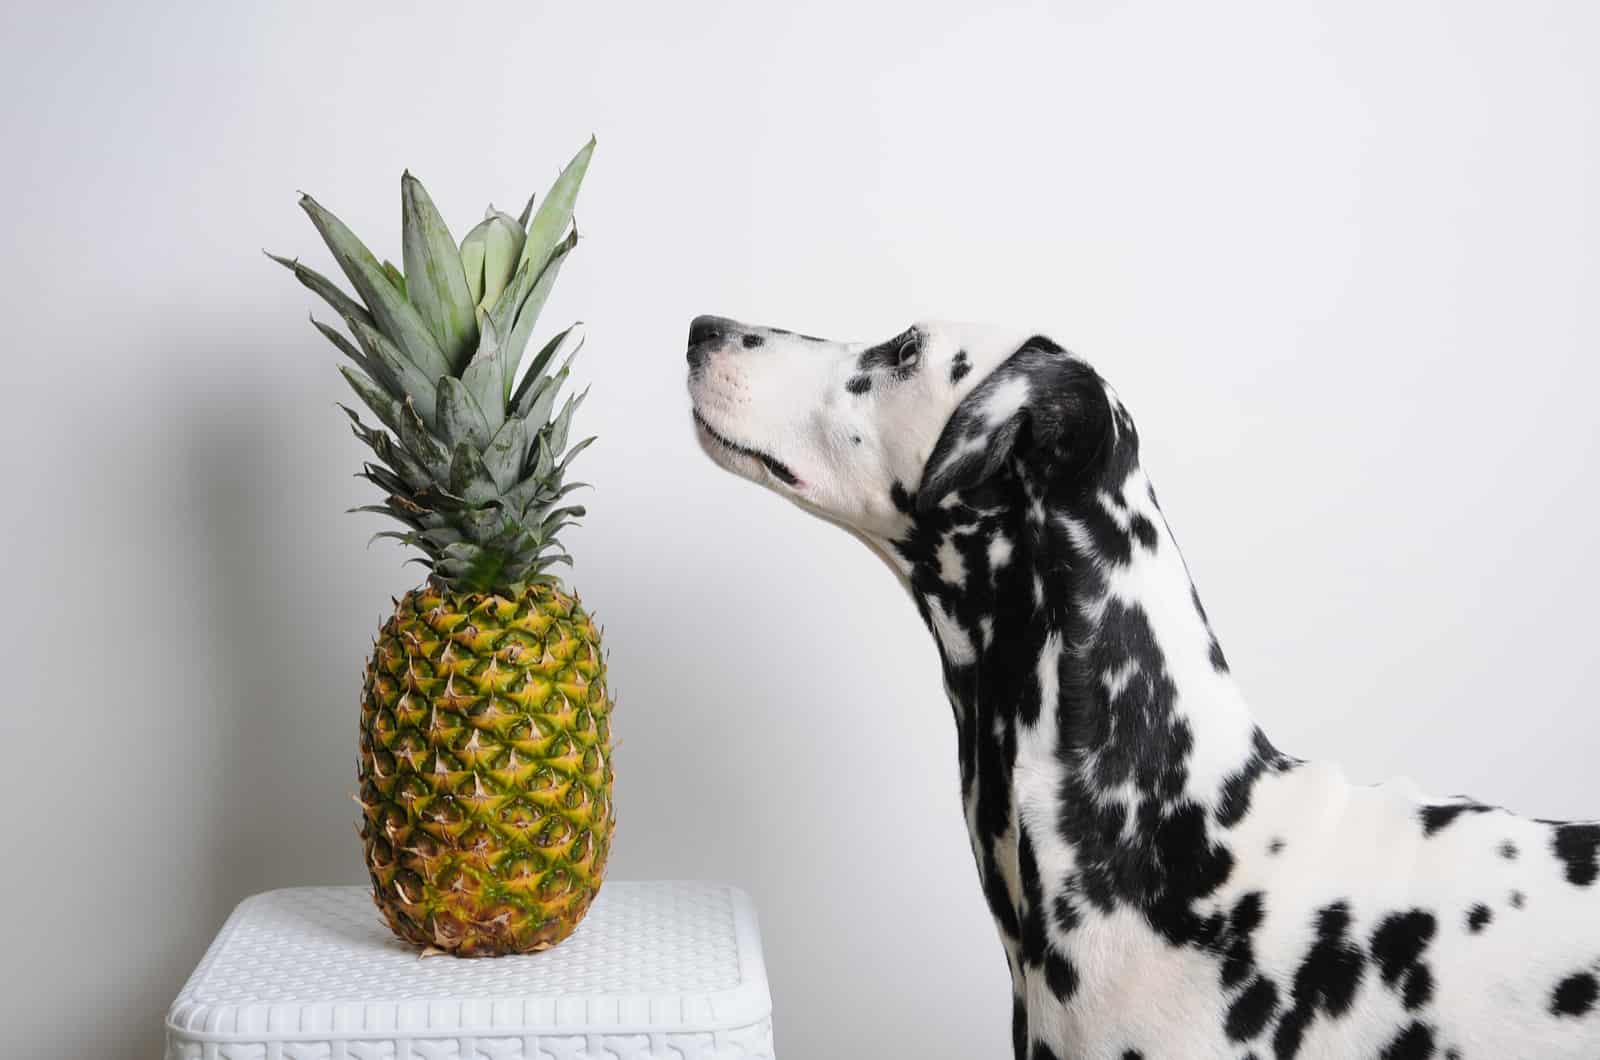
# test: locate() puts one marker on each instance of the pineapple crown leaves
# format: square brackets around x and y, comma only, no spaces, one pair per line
[472,460]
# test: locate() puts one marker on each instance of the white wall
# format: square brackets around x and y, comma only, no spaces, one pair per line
[1340,260]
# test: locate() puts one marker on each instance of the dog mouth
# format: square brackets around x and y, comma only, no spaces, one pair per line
[779,469]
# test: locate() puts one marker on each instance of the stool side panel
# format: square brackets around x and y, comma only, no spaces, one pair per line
[670,969]
[753,1042]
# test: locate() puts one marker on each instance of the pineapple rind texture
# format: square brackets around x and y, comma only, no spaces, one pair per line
[485,769]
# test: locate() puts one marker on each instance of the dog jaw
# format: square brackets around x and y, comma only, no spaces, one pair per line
[743,460]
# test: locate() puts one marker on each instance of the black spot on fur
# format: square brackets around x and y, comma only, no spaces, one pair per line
[1276,846]
[904,503]
[959,367]
[1478,917]
[1042,1051]
[1059,973]
[1397,947]
[1234,802]
[1508,850]
[1132,1054]
[1248,913]
[751,341]
[1145,531]
[1517,899]
[1575,995]
[1415,1042]
[1239,960]
[1251,1010]
[1326,980]
[855,439]
[1060,976]
[1418,987]
[1578,846]
[1438,817]
[859,384]
[1218,662]
[1066,916]
[1019,1028]
[1117,529]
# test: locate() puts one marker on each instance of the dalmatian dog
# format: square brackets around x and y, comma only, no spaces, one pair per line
[1166,882]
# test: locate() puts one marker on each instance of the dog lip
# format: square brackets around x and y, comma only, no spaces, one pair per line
[779,469]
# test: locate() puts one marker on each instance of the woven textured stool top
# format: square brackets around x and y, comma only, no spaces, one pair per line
[318,964]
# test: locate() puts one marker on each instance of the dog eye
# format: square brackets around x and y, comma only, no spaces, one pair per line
[908,350]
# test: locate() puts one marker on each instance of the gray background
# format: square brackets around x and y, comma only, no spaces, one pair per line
[1340,260]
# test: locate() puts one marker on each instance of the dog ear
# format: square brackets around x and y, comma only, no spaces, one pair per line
[1040,404]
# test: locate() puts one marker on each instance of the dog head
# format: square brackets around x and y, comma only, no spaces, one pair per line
[866,434]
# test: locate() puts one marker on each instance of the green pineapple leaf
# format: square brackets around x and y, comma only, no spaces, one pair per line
[563,423]
[396,277]
[461,419]
[505,453]
[413,383]
[394,315]
[470,480]
[554,215]
[528,311]
[537,402]
[420,444]
[325,289]
[468,446]
[561,468]
[542,359]
[472,251]
[435,281]
[371,367]
[382,404]
[482,377]
[502,240]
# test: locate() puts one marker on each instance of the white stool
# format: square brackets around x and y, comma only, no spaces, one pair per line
[655,971]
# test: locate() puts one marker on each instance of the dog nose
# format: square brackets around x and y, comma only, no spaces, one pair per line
[708,329]
[705,332]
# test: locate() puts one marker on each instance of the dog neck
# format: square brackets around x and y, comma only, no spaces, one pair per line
[1100,732]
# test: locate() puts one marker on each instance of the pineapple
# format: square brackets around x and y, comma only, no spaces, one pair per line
[485,748]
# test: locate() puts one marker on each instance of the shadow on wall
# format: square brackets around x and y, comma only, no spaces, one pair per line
[264,726]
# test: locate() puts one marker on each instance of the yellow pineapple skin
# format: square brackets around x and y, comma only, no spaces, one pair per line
[485,769]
